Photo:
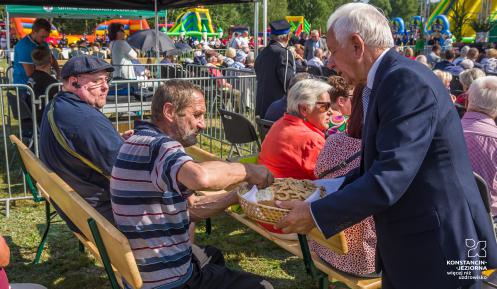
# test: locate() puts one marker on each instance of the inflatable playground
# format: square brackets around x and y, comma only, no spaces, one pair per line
[22,27]
[194,22]
[298,24]
[443,14]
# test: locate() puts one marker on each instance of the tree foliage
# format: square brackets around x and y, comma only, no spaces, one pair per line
[383,5]
[460,16]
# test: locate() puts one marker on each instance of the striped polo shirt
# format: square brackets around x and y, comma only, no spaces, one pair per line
[150,206]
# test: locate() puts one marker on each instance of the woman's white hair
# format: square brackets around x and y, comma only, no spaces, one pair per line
[364,19]
[467,64]
[467,77]
[482,96]
[305,92]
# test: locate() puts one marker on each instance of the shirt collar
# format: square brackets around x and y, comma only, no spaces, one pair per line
[374,68]
[479,116]
[299,121]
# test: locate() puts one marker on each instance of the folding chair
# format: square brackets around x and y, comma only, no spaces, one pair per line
[263,126]
[238,130]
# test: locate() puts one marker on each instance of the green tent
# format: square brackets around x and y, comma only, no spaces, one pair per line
[79,13]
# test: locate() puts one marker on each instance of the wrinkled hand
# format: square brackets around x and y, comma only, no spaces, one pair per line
[127,134]
[259,175]
[299,220]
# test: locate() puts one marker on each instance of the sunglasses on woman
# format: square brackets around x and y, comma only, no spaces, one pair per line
[323,106]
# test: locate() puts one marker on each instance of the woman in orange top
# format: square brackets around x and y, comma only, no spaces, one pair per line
[293,143]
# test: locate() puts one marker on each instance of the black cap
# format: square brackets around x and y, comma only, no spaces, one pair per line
[84,64]
[279,27]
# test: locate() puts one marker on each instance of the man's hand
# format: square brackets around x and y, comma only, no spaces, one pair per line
[259,175]
[127,134]
[299,220]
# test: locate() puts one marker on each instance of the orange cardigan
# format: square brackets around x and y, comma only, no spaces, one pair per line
[291,148]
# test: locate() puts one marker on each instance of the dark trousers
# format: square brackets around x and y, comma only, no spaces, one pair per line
[210,272]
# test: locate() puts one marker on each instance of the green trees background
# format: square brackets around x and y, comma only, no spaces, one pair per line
[316,12]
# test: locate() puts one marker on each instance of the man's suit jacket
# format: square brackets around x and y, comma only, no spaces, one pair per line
[274,67]
[416,180]
[308,51]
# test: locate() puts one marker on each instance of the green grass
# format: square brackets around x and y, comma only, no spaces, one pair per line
[64,267]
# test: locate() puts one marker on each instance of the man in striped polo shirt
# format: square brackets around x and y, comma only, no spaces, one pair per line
[151,181]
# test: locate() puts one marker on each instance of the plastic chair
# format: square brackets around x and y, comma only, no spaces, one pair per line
[263,126]
[238,130]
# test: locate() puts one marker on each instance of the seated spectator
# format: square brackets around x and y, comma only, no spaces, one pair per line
[340,97]
[434,56]
[300,61]
[317,60]
[292,145]
[150,198]
[409,53]
[41,79]
[239,60]
[278,108]
[344,148]
[199,58]
[480,132]
[490,61]
[4,262]
[250,61]
[472,55]
[95,51]
[462,56]
[447,65]
[446,78]
[87,133]
[466,64]
[466,78]
[422,59]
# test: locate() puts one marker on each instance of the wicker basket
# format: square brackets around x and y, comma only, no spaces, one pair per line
[260,212]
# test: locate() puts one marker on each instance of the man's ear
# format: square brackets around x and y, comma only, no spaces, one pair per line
[168,111]
[358,45]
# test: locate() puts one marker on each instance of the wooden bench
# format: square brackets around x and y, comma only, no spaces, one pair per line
[97,234]
[300,248]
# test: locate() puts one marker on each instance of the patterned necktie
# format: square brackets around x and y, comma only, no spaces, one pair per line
[365,101]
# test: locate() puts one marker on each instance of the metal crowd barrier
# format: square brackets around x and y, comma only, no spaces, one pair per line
[128,100]
[19,118]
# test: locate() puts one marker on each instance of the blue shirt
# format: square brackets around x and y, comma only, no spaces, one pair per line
[276,110]
[22,54]
[150,206]
[88,132]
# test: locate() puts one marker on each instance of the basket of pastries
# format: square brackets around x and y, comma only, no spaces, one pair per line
[259,204]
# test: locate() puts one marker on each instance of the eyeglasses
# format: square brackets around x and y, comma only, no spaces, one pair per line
[323,106]
[98,82]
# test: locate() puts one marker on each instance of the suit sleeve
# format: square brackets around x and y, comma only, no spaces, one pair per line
[407,115]
[285,70]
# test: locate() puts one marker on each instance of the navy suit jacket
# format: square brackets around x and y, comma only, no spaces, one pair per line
[416,180]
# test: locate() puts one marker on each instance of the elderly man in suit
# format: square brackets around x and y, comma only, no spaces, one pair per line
[314,42]
[415,177]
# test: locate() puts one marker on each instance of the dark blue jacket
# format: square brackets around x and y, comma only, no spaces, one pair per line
[449,67]
[416,180]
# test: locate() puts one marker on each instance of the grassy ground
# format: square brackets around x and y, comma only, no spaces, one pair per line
[63,267]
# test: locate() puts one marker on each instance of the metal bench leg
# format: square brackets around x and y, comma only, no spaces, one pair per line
[48,220]
[208,226]
[309,264]
[81,247]
[103,253]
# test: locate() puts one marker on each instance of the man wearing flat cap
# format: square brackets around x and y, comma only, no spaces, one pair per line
[274,67]
[77,141]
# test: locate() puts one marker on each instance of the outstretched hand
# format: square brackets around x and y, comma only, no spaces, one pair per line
[127,134]
[299,220]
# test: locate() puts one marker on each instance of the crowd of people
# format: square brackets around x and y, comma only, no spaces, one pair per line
[347,106]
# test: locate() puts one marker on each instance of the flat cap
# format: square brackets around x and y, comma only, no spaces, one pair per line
[279,27]
[83,65]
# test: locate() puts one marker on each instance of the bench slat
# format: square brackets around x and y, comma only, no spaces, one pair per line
[79,211]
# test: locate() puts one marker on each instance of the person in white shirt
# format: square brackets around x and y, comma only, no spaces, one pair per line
[317,60]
